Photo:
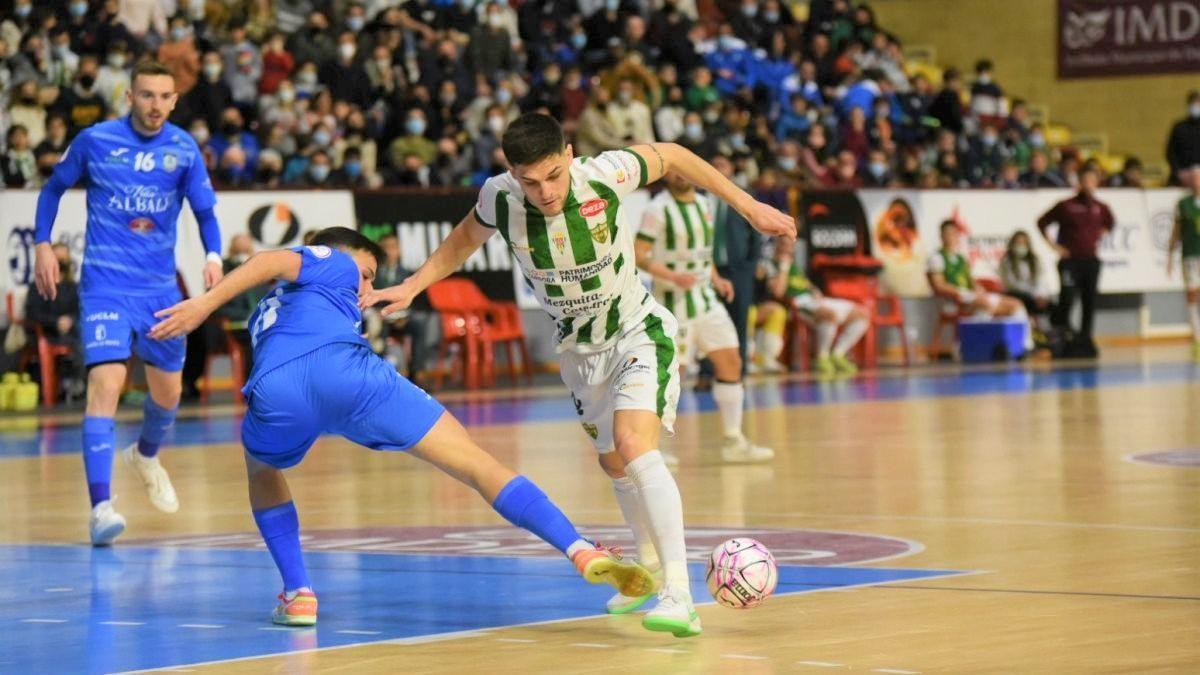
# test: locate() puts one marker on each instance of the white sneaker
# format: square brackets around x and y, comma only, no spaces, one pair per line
[154,476]
[739,450]
[670,459]
[106,524]
[675,614]
[624,604]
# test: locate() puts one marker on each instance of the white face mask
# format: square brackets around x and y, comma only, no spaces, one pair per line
[1020,250]
[496,124]
[347,51]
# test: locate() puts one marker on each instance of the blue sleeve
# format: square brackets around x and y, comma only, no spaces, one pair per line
[210,231]
[199,189]
[321,265]
[70,168]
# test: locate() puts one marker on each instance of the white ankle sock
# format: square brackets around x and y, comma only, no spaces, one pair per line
[850,336]
[635,517]
[730,397]
[664,513]
[579,545]
[826,331]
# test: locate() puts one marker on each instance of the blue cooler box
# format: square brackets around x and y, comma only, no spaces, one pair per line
[991,340]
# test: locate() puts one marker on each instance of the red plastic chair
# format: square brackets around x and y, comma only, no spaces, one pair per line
[461,326]
[42,349]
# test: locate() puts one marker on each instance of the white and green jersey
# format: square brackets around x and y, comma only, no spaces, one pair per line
[682,234]
[579,263]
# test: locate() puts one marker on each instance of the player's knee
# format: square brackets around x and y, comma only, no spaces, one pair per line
[612,464]
[630,444]
[104,389]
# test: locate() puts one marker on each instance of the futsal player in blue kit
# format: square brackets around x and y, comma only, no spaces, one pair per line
[137,171]
[314,373]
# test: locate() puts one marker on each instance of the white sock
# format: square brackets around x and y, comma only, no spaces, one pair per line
[826,331]
[579,545]
[1023,315]
[730,396]
[664,510]
[850,336]
[772,347]
[635,517]
[1194,319]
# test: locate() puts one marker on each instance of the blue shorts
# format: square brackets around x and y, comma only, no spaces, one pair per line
[115,326]
[342,389]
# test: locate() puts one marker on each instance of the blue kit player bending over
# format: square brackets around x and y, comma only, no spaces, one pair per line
[314,374]
[137,171]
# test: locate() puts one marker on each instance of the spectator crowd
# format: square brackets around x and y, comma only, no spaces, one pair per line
[329,93]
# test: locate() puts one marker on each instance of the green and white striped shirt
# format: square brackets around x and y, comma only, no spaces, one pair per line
[579,263]
[682,234]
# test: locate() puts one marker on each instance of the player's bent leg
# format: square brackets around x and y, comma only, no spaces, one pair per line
[99,444]
[159,415]
[826,328]
[634,512]
[448,447]
[855,321]
[730,394]
[279,524]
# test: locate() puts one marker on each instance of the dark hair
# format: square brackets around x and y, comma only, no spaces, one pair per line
[345,238]
[947,223]
[531,138]
[149,68]
[950,73]
[1010,258]
[983,65]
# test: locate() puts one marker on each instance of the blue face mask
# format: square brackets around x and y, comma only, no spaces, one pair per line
[787,163]
[877,169]
[353,168]
[750,10]
[321,138]
[415,126]
[22,11]
[78,9]
[355,23]
[694,131]
[503,96]
[319,172]
[579,40]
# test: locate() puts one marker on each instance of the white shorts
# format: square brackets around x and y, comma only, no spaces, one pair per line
[1191,273]
[639,372]
[991,302]
[706,334]
[809,304]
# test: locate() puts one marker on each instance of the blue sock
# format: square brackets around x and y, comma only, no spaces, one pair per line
[156,421]
[280,528]
[524,504]
[99,443]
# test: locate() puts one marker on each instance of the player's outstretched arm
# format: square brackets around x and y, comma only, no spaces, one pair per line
[464,240]
[659,158]
[183,318]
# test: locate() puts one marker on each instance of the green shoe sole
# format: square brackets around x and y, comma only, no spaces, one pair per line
[680,629]
[631,605]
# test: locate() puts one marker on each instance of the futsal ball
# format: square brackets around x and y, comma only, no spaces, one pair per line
[741,573]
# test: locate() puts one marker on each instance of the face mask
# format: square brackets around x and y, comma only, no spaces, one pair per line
[694,131]
[321,138]
[503,96]
[415,126]
[1037,140]
[59,50]
[287,95]
[22,11]
[78,9]
[355,23]
[1194,110]
[383,64]
[579,40]
[86,81]
[496,124]
[308,77]
[750,11]
[787,163]
[727,43]
[625,97]
[231,129]
[467,4]
[353,168]
[212,70]
[319,172]
[346,51]
[448,99]
[612,5]
[552,78]
[496,20]
[771,17]
[116,60]
[711,117]
[989,140]
[737,140]
[178,34]
[1020,250]
[201,135]
[877,169]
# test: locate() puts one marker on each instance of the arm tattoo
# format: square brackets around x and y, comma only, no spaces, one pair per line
[662,166]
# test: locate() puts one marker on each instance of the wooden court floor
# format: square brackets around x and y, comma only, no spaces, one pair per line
[1076,557]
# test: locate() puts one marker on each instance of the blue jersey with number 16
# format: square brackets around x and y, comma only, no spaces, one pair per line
[135,190]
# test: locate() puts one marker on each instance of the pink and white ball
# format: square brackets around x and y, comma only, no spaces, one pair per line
[741,573]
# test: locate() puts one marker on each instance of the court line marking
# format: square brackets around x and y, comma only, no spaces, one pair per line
[516,640]
[43,621]
[1136,458]
[744,657]
[590,645]
[442,637]
[897,672]
[822,664]
[1128,596]
[360,632]
[668,650]
[201,625]
[61,589]
[122,623]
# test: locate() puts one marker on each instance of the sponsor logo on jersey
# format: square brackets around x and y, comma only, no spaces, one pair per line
[600,232]
[319,251]
[591,430]
[170,162]
[103,316]
[593,207]
[143,199]
[621,176]
[560,241]
[118,152]
[141,225]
